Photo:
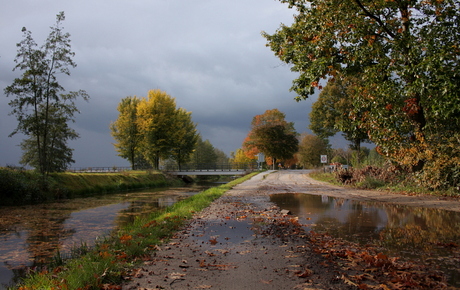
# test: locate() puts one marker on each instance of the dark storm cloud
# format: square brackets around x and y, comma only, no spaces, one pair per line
[209,55]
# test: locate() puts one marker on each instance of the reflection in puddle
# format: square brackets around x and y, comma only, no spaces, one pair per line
[31,235]
[431,236]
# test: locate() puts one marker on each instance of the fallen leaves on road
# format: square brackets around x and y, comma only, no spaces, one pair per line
[304,274]
[360,266]
[203,287]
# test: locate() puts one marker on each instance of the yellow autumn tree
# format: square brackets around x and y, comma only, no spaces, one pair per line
[125,131]
[167,132]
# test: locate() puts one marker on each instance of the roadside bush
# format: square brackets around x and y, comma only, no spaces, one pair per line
[441,174]
[344,176]
[370,177]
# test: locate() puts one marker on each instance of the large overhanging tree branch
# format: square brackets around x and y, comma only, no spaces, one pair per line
[406,54]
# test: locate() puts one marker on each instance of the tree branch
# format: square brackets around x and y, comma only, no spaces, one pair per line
[379,21]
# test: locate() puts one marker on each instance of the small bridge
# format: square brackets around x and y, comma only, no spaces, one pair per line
[212,169]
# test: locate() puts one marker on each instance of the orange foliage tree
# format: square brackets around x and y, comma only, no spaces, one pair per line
[272,135]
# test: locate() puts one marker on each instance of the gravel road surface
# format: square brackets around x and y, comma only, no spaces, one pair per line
[243,241]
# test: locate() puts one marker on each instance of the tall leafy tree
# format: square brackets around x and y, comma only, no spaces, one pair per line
[273,135]
[185,137]
[204,155]
[41,105]
[407,55]
[161,123]
[222,158]
[151,128]
[57,147]
[334,112]
[248,147]
[311,148]
[125,131]
[240,157]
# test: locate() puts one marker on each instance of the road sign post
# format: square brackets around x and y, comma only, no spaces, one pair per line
[323,158]
[260,160]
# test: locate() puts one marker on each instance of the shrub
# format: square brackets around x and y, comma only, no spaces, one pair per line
[344,176]
[371,176]
[18,186]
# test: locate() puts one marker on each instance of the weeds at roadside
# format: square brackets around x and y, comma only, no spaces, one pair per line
[387,177]
[324,176]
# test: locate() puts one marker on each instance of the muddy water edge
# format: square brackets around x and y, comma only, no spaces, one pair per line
[427,236]
[32,235]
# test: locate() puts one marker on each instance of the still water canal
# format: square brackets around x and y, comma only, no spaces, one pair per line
[31,235]
[427,236]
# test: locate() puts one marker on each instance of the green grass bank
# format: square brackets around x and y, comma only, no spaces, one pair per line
[28,187]
[103,266]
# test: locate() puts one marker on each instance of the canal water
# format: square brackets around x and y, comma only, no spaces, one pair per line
[31,235]
[427,236]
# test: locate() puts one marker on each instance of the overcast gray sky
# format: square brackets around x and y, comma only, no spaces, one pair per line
[208,54]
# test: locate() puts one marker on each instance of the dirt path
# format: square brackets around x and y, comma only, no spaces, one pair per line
[243,241]
[300,182]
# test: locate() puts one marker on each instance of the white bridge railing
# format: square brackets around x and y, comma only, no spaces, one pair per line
[213,168]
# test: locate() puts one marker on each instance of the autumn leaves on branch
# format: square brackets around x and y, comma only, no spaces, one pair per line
[402,59]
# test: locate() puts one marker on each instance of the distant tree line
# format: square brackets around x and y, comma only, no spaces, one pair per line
[283,146]
[152,131]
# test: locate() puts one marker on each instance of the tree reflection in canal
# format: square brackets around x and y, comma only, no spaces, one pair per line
[31,235]
[430,236]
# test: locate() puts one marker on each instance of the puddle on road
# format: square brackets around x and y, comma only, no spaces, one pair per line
[225,233]
[431,236]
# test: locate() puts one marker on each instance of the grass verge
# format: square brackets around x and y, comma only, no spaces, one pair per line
[324,176]
[404,186]
[104,266]
[29,187]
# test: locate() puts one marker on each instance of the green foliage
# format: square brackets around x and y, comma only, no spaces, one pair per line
[342,156]
[28,187]
[324,176]
[125,131]
[19,186]
[406,56]
[373,158]
[310,150]
[185,137]
[272,135]
[222,158]
[332,111]
[42,109]
[204,154]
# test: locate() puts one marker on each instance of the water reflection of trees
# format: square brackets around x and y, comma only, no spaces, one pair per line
[421,228]
[336,216]
[429,235]
[393,226]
